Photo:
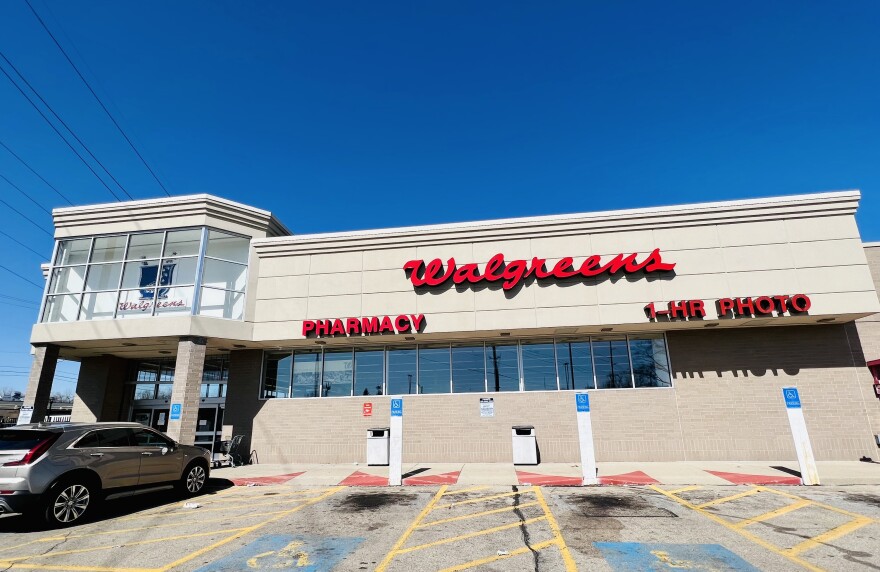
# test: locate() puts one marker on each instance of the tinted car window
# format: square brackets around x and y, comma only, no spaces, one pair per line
[14,440]
[90,440]
[145,438]
[115,438]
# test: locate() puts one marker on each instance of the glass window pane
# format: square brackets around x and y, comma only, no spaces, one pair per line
[174,300]
[227,247]
[306,374]
[401,372]
[434,370]
[178,271]
[338,369]
[74,251]
[539,367]
[146,245]
[103,277]
[575,365]
[140,274]
[108,248]
[66,280]
[650,367]
[183,243]
[164,391]
[369,372]
[225,275]
[116,438]
[221,304]
[98,306]
[468,369]
[213,370]
[147,372]
[502,367]
[612,363]
[276,382]
[166,371]
[61,308]
[133,304]
[145,391]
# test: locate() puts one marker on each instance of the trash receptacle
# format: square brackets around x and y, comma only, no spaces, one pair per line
[378,445]
[525,446]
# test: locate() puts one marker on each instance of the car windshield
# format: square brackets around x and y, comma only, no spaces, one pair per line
[18,439]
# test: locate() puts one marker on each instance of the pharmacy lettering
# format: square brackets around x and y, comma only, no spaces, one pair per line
[512,273]
[402,324]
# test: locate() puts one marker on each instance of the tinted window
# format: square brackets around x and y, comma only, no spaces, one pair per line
[14,440]
[114,438]
[145,438]
[93,439]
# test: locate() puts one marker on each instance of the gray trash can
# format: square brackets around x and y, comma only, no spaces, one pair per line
[378,445]
[525,446]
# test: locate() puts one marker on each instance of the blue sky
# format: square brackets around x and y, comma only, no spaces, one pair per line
[354,115]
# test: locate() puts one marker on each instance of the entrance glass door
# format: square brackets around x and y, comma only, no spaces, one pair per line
[209,427]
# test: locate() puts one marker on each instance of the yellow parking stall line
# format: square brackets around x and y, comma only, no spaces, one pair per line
[406,534]
[484,532]
[773,513]
[480,499]
[730,498]
[29,542]
[832,534]
[477,514]
[740,531]
[8,561]
[197,553]
[467,490]
[240,496]
[69,568]
[819,504]
[178,510]
[511,554]
[557,533]
[684,489]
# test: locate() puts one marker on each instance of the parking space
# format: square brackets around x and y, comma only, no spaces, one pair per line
[465,527]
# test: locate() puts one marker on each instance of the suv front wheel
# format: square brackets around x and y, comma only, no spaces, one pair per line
[69,502]
[194,478]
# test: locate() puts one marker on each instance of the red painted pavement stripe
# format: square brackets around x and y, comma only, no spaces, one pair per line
[526,478]
[441,479]
[633,478]
[359,479]
[745,479]
[272,480]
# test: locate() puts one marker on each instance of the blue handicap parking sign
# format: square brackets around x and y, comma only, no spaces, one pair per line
[583,402]
[397,408]
[286,552]
[628,556]
[176,408]
[792,399]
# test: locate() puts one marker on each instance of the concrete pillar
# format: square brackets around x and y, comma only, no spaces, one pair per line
[40,380]
[99,389]
[187,386]
[242,395]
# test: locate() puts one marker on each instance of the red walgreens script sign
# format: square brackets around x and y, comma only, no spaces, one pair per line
[514,272]
[368,409]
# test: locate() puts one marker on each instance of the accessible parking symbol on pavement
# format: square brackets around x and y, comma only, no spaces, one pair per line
[287,552]
[626,556]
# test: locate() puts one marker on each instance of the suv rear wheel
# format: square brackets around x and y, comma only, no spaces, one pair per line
[69,502]
[194,478]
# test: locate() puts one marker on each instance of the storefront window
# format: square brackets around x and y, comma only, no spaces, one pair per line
[474,368]
[148,274]
[468,369]
[539,367]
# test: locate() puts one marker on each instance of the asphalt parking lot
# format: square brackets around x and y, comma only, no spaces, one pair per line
[284,527]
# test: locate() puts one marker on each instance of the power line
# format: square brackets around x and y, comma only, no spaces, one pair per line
[20,243]
[22,161]
[30,198]
[58,117]
[25,300]
[98,99]
[28,280]
[24,216]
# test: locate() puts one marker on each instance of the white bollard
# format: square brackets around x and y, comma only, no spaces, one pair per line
[802,446]
[585,435]
[395,456]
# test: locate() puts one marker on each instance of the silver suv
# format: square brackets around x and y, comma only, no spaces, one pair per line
[62,470]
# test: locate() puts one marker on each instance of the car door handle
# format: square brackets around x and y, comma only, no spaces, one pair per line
[96,454]
[147,454]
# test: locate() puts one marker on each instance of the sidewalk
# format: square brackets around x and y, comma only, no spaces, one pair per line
[555,474]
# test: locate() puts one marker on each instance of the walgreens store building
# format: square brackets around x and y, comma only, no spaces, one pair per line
[195,313]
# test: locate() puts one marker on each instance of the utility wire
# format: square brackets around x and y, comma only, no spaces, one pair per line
[24,216]
[28,280]
[20,243]
[58,117]
[25,300]
[30,198]
[31,169]
[98,99]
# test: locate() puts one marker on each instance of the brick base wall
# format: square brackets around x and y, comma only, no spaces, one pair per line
[726,405]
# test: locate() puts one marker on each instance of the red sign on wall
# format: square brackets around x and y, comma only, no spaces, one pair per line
[402,324]
[514,272]
[737,307]
[368,409]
